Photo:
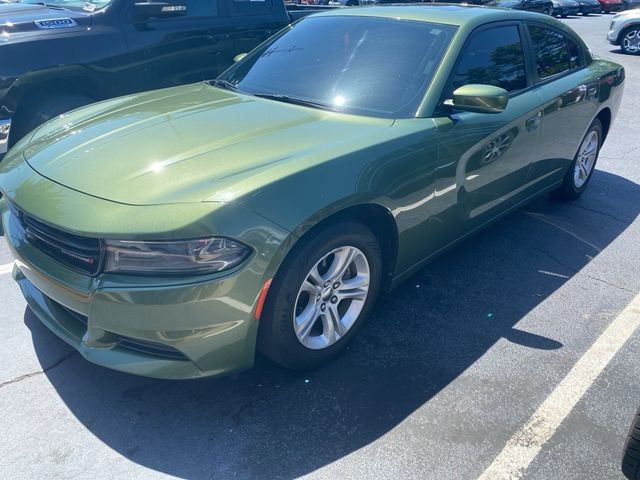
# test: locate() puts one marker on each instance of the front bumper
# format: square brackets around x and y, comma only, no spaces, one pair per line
[161,328]
[612,7]
[586,9]
[612,36]
[5,129]
[564,11]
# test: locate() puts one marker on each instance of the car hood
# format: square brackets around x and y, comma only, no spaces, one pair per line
[186,144]
[628,14]
[20,20]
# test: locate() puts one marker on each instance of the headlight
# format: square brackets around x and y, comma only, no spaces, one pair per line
[174,257]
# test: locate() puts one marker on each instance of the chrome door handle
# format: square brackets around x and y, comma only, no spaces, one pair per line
[533,122]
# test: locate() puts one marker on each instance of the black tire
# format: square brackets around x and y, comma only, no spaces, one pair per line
[547,11]
[564,15]
[37,112]
[631,451]
[276,336]
[623,34]
[568,190]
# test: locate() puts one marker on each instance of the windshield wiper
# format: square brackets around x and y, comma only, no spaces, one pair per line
[297,101]
[226,84]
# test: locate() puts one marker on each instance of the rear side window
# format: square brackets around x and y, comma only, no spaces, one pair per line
[492,57]
[555,52]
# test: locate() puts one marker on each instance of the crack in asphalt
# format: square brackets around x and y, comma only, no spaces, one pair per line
[39,372]
[626,222]
[577,271]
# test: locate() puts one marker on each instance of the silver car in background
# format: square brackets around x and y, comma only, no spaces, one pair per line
[625,31]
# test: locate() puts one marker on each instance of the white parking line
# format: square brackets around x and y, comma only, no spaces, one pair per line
[526,443]
[6,268]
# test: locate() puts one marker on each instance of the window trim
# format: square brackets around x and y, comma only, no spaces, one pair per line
[584,58]
[442,108]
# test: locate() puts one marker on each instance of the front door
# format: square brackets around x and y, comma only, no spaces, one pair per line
[485,158]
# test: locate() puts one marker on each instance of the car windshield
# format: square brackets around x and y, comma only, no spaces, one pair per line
[70,4]
[362,65]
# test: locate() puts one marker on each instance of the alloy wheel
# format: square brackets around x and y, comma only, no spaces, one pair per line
[586,159]
[331,297]
[631,41]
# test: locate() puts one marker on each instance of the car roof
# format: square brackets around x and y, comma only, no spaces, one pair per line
[448,14]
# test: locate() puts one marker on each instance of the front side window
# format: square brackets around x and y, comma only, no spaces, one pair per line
[551,50]
[492,57]
[362,65]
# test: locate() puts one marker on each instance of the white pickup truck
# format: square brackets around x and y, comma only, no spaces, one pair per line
[625,31]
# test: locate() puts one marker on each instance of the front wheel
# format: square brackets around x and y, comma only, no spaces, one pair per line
[577,178]
[630,43]
[320,298]
[547,11]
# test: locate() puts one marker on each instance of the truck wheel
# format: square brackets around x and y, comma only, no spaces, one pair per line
[630,40]
[631,452]
[321,296]
[37,113]
[577,178]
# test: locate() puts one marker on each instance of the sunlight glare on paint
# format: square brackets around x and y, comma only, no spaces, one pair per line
[339,100]
[156,167]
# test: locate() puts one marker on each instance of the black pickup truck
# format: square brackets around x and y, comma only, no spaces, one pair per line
[61,54]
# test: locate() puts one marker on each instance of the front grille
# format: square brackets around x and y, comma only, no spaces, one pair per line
[82,254]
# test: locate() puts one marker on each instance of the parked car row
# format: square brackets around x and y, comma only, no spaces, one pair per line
[559,8]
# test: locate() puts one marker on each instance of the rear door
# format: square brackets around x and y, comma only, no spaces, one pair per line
[178,50]
[569,101]
[485,158]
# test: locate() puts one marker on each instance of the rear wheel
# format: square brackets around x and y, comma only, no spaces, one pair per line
[37,112]
[547,11]
[630,43]
[631,452]
[577,178]
[321,297]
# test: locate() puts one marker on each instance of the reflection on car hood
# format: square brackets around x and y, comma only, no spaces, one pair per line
[20,20]
[186,144]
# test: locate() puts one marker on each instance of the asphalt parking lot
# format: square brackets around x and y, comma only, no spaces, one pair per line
[455,371]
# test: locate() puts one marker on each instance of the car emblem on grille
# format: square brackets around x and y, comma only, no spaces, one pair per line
[55,23]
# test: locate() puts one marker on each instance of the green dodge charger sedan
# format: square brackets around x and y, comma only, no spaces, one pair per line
[171,233]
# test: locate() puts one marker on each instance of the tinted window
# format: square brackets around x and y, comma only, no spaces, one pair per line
[575,54]
[552,51]
[251,7]
[201,8]
[492,57]
[362,65]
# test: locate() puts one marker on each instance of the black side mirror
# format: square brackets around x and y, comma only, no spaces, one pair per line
[161,9]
